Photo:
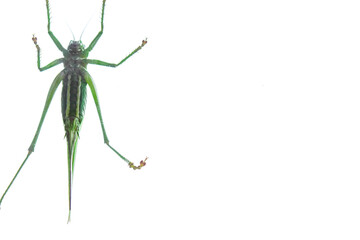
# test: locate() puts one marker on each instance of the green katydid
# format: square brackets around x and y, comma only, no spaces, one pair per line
[75,78]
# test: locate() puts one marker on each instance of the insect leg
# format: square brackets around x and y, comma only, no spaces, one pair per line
[52,36]
[50,65]
[93,43]
[50,95]
[106,140]
[106,64]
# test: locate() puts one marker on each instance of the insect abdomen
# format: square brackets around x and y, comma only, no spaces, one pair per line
[73,97]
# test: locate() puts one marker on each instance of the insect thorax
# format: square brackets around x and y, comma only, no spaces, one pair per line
[75,55]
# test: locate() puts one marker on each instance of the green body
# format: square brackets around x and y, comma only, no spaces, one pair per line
[75,79]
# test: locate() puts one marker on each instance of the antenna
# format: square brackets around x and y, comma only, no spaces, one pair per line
[86,25]
[84,28]
[70,31]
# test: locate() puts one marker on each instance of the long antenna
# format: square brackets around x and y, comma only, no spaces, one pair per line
[70,31]
[86,25]
[84,28]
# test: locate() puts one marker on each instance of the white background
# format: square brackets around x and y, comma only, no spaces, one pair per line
[248,111]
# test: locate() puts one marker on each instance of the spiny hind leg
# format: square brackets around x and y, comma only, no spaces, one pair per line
[106,140]
[131,165]
[50,95]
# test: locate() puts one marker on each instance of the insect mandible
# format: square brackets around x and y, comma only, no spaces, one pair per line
[75,79]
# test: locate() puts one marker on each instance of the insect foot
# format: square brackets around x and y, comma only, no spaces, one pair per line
[142,163]
[144,42]
[35,41]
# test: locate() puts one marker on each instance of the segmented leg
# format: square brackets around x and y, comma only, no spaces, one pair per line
[52,36]
[49,98]
[90,82]
[50,65]
[97,37]
[106,64]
